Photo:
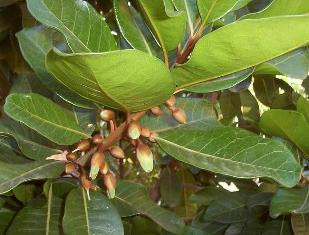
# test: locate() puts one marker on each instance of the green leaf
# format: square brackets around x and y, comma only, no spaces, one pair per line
[221,83]
[280,8]
[197,111]
[12,175]
[294,200]
[34,44]
[9,151]
[6,216]
[287,124]
[212,10]
[25,192]
[266,89]
[86,31]
[246,154]
[50,120]
[238,46]
[101,77]
[131,27]
[134,196]
[38,220]
[300,223]
[294,64]
[94,216]
[303,107]
[33,145]
[169,31]
[280,227]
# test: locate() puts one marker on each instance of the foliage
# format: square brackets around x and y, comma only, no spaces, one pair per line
[161,117]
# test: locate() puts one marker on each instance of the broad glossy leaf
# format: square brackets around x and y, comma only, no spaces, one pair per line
[12,175]
[33,145]
[45,117]
[114,79]
[294,200]
[131,27]
[134,196]
[34,44]
[170,188]
[169,31]
[221,83]
[294,64]
[6,216]
[300,223]
[94,216]
[265,89]
[280,8]
[84,29]
[212,10]
[287,124]
[303,107]
[197,111]
[231,151]
[238,46]
[9,151]
[25,192]
[38,220]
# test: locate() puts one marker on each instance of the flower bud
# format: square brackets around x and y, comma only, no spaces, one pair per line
[97,160]
[110,184]
[179,115]
[134,130]
[145,132]
[156,111]
[70,168]
[71,157]
[171,101]
[104,168]
[97,139]
[83,146]
[107,115]
[117,152]
[145,157]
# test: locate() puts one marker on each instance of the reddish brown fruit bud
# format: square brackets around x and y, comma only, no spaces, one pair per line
[145,132]
[70,168]
[71,157]
[179,115]
[97,139]
[107,115]
[156,111]
[110,184]
[145,157]
[87,185]
[134,130]
[104,168]
[171,101]
[153,136]
[97,160]
[83,145]
[117,152]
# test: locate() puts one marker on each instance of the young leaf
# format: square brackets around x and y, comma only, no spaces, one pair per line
[238,46]
[34,44]
[86,31]
[290,200]
[246,154]
[12,175]
[37,220]
[134,196]
[41,114]
[94,216]
[287,124]
[101,77]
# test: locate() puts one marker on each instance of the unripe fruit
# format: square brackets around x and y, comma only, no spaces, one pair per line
[97,160]
[171,101]
[110,184]
[104,168]
[83,145]
[107,115]
[179,115]
[156,111]
[117,152]
[70,168]
[97,139]
[145,132]
[71,157]
[134,130]
[145,157]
